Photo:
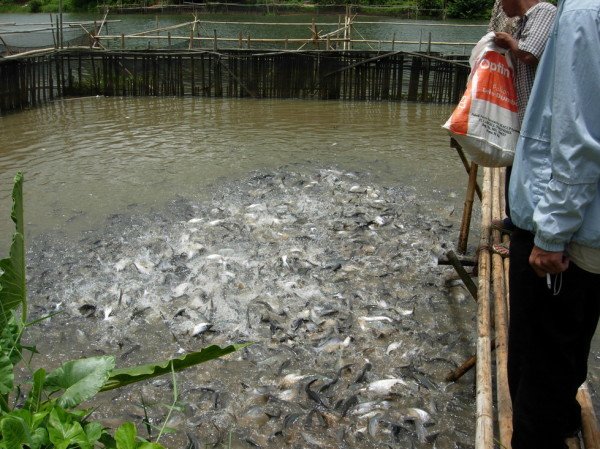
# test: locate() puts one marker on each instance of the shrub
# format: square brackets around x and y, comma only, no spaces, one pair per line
[469,9]
[35,6]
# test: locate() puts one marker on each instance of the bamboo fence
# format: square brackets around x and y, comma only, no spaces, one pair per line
[30,79]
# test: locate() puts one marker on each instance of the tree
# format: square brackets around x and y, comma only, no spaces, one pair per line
[469,9]
[430,4]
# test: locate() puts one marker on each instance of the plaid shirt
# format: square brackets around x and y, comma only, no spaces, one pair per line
[499,21]
[532,32]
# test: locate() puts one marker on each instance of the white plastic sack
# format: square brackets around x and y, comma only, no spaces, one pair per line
[485,122]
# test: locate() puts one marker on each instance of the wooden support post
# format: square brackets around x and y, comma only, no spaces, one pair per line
[591,433]
[469,284]
[122,41]
[429,44]
[454,144]
[169,39]
[484,427]
[240,40]
[216,46]
[504,404]
[393,40]
[467,210]
[463,369]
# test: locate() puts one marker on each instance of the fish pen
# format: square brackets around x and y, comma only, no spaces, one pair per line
[30,79]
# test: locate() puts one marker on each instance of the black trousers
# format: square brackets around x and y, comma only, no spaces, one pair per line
[548,348]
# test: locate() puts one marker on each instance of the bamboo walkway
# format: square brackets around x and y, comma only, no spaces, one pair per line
[493,405]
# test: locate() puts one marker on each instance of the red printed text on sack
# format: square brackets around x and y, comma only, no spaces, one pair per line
[494,83]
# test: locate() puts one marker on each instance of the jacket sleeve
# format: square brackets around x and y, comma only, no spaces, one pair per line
[575,134]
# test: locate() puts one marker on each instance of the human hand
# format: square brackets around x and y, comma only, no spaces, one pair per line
[544,262]
[505,40]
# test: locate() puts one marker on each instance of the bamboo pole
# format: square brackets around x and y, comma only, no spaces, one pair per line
[469,284]
[504,405]
[100,29]
[484,430]
[591,432]
[454,144]
[467,210]
[463,369]
[306,41]
[334,23]
[169,28]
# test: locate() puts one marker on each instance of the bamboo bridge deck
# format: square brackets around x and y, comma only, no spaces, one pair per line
[494,409]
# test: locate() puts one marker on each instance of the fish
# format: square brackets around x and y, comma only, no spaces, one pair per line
[313,395]
[201,328]
[334,344]
[384,386]
[326,281]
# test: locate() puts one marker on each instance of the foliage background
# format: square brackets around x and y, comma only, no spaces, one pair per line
[462,9]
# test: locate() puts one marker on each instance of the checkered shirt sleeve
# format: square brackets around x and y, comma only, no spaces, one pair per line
[536,29]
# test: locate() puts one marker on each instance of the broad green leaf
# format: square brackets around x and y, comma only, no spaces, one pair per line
[39,438]
[108,441]
[63,432]
[7,376]
[147,445]
[93,430]
[34,398]
[126,376]
[15,432]
[13,292]
[37,435]
[38,418]
[125,436]
[81,379]
[10,340]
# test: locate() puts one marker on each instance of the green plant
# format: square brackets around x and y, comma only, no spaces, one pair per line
[35,6]
[430,4]
[469,9]
[49,417]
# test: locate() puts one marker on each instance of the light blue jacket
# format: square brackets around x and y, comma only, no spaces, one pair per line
[555,182]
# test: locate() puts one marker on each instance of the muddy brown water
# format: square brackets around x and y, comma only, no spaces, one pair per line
[103,172]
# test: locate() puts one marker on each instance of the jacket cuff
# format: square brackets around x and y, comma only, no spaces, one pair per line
[549,245]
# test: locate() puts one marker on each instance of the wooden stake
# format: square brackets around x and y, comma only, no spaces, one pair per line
[454,144]
[591,433]
[467,210]
[463,369]
[469,284]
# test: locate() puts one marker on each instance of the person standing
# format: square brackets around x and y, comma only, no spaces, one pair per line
[555,249]
[499,21]
[526,45]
